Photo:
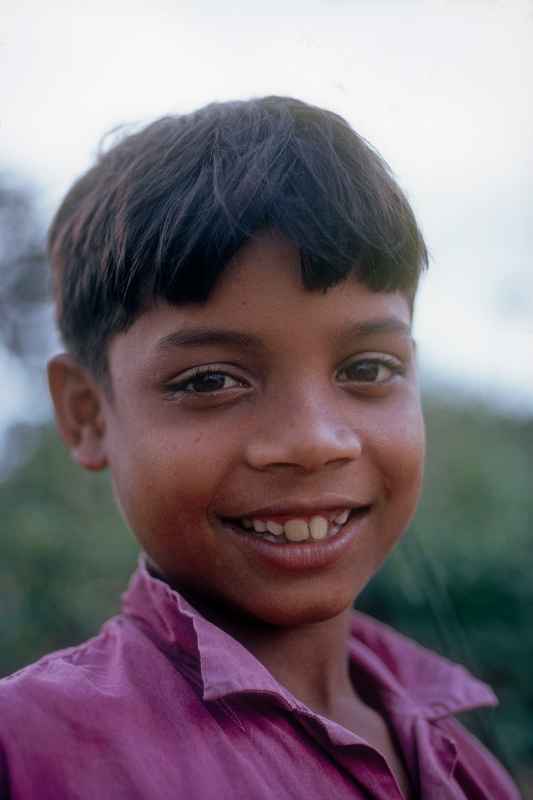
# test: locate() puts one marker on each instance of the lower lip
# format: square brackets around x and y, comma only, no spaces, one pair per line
[302,556]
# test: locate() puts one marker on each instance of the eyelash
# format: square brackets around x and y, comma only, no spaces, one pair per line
[396,368]
[199,372]
[179,387]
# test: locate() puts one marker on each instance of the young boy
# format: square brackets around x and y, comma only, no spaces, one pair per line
[235,290]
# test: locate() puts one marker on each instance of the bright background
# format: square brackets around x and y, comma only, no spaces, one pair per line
[442,89]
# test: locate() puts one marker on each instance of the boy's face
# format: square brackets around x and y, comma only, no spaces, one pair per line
[311,409]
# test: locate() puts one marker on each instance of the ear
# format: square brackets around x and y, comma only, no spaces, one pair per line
[78,408]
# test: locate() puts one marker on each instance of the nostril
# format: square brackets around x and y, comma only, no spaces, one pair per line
[306,444]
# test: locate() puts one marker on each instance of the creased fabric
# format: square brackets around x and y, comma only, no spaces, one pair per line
[163,705]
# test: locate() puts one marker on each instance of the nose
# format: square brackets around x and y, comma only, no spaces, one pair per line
[308,436]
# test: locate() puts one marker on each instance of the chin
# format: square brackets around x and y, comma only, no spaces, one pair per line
[296,611]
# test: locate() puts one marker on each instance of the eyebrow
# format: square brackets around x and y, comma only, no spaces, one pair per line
[204,337]
[373,327]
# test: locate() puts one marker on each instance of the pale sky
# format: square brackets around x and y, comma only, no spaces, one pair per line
[442,88]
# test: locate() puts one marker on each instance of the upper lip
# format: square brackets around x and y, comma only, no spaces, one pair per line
[303,508]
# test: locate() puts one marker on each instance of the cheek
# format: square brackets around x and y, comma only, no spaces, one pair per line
[402,456]
[172,475]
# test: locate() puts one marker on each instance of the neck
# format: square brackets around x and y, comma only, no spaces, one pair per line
[310,660]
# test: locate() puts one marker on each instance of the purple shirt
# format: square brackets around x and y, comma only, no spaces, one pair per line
[163,704]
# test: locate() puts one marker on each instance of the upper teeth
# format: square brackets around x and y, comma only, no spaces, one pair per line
[298,530]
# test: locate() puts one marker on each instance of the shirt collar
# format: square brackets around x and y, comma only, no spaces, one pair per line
[407,678]
[410,679]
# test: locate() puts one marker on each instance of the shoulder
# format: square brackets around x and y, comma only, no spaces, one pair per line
[407,667]
[477,769]
[97,682]
[60,714]
[43,705]
[75,673]
[396,650]
[69,663]
[120,656]
[86,711]
[420,685]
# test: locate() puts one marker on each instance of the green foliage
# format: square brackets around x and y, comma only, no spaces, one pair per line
[66,556]
[458,583]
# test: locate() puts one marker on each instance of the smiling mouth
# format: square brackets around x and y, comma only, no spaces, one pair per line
[297,530]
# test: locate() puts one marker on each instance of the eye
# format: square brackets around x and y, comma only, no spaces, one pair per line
[204,381]
[371,370]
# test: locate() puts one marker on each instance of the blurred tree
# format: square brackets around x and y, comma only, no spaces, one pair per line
[26,330]
[24,278]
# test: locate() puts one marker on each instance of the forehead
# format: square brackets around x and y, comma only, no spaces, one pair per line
[260,303]
[269,265]
[264,281]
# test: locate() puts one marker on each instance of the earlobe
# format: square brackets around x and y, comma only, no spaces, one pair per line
[78,409]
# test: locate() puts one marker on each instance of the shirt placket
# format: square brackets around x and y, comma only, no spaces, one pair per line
[437,759]
[366,766]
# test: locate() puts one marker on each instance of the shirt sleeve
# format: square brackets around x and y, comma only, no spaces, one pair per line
[478,772]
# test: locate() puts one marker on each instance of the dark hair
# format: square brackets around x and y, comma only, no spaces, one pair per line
[163,211]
